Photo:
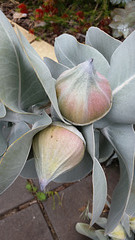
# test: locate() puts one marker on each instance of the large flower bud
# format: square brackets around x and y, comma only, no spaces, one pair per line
[84,95]
[57,149]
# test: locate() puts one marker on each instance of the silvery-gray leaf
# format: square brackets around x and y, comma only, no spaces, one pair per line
[3,143]
[101,41]
[122,79]
[122,138]
[101,221]
[18,80]
[27,117]
[13,161]
[78,172]
[69,52]
[98,176]
[29,170]
[125,223]
[55,68]
[2,110]
[101,234]
[130,210]
[84,229]
[17,131]
[42,71]
[103,148]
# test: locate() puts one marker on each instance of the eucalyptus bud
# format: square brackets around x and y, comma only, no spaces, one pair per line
[57,149]
[83,94]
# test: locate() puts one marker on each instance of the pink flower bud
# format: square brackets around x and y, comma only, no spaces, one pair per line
[84,95]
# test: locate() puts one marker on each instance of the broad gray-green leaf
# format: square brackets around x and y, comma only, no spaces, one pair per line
[105,149]
[101,222]
[2,110]
[29,118]
[3,143]
[55,68]
[130,210]
[29,170]
[122,79]
[84,229]
[42,71]
[78,172]
[125,224]
[75,174]
[102,146]
[122,138]
[69,52]
[19,85]
[17,131]
[101,234]
[101,41]
[13,161]
[98,176]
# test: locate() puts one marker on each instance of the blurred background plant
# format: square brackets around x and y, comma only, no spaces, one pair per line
[50,18]
[123,20]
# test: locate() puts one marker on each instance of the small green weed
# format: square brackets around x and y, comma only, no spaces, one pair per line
[41,196]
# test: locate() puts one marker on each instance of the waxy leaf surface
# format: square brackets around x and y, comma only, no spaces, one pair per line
[42,71]
[55,68]
[70,53]
[122,80]
[101,41]
[18,80]
[122,138]
[14,159]
[98,176]
[2,110]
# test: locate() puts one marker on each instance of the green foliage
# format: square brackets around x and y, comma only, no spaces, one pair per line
[70,16]
[42,196]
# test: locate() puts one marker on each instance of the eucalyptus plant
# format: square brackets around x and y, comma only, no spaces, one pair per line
[95,82]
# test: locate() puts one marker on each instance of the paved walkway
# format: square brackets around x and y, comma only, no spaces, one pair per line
[23,217]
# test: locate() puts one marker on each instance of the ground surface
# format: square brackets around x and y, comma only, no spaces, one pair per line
[22,216]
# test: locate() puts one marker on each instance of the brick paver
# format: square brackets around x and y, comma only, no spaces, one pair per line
[66,216]
[14,196]
[27,224]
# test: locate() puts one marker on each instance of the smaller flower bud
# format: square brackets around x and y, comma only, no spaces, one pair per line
[84,95]
[132,223]
[57,149]
[118,233]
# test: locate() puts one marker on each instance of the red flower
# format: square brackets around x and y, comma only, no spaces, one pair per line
[54,11]
[50,9]
[105,21]
[31,30]
[39,13]
[46,8]
[23,8]
[80,14]
[65,15]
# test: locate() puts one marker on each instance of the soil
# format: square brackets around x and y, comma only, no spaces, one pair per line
[9,7]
